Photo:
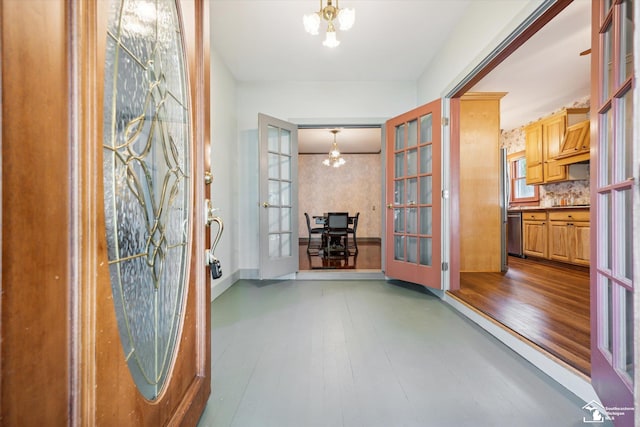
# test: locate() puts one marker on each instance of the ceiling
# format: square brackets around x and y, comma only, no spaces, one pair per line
[264,40]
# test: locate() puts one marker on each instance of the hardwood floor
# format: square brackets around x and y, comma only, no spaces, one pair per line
[368,258]
[546,303]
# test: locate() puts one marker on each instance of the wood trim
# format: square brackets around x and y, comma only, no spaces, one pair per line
[483,96]
[86,105]
[454,163]
[37,277]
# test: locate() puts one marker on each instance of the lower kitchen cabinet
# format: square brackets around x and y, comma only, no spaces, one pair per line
[560,235]
[534,230]
[569,236]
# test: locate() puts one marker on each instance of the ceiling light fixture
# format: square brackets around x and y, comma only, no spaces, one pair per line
[335,158]
[346,18]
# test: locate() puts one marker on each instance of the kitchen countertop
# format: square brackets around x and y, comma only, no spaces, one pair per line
[545,208]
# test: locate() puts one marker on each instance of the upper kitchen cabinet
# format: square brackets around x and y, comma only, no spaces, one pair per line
[576,145]
[544,140]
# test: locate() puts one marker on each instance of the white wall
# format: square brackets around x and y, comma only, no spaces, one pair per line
[484,25]
[224,161]
[309,102]
[236,106]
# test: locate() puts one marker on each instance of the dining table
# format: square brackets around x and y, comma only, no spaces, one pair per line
[322,220]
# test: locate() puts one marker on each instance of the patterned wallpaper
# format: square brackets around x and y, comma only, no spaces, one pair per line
[354,187]
[577,191]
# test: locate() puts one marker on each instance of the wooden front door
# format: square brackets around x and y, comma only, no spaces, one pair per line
[96,326]
[413,194]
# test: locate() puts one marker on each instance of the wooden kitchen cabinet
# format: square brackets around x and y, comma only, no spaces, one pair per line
[534,230]
[533,154]
[576,145]
[543,143]
[569,236]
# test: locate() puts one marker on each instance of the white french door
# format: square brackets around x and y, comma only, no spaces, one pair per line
[614,186]
[278,141]
[413,194]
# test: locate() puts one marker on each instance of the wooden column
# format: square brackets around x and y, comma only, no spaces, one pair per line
[480,218]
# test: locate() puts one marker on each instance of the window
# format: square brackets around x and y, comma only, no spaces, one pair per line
[520,193]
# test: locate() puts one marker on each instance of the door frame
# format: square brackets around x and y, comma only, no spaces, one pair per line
[450,110]
[360,123]
[451,140]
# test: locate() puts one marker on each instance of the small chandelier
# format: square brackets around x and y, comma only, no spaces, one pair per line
[335,158]
[346,18]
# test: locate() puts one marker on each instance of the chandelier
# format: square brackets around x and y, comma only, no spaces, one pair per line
[335,158]
[346,18]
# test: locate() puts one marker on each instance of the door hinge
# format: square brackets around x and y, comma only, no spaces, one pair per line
[445,266]
[445,121]
[445,194]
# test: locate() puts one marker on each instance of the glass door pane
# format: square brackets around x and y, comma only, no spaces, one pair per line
[414,211]
[278,193]
[615,186]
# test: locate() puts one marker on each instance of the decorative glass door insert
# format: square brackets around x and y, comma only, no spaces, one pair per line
[147,184]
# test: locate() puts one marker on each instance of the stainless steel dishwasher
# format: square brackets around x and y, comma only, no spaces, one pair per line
[514,234]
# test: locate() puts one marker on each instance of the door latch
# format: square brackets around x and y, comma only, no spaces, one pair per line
[212,262]
[209,212]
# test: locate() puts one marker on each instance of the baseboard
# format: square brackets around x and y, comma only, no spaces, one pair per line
[340,275]
[571,379]
[225,282]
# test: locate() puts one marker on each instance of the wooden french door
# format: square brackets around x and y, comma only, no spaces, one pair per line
[413,194]
[614,188]
[278,141]
[83,318]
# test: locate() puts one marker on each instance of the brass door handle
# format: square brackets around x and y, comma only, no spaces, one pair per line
[389,206]
[265,205]
[209,211]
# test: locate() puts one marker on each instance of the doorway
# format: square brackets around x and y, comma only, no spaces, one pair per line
[354,187]
[543,301]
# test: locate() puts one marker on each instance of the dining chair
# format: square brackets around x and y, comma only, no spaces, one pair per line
[336,231]
[352,230]
[314,231]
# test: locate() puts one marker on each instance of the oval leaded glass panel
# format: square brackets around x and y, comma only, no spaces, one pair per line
[146,181]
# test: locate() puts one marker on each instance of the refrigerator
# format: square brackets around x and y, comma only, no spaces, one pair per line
[505,186]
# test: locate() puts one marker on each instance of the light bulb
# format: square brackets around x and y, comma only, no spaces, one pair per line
[331,40]
[311,23]
[346,17]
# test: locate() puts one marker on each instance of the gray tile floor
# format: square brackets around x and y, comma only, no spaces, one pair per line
[366,353]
